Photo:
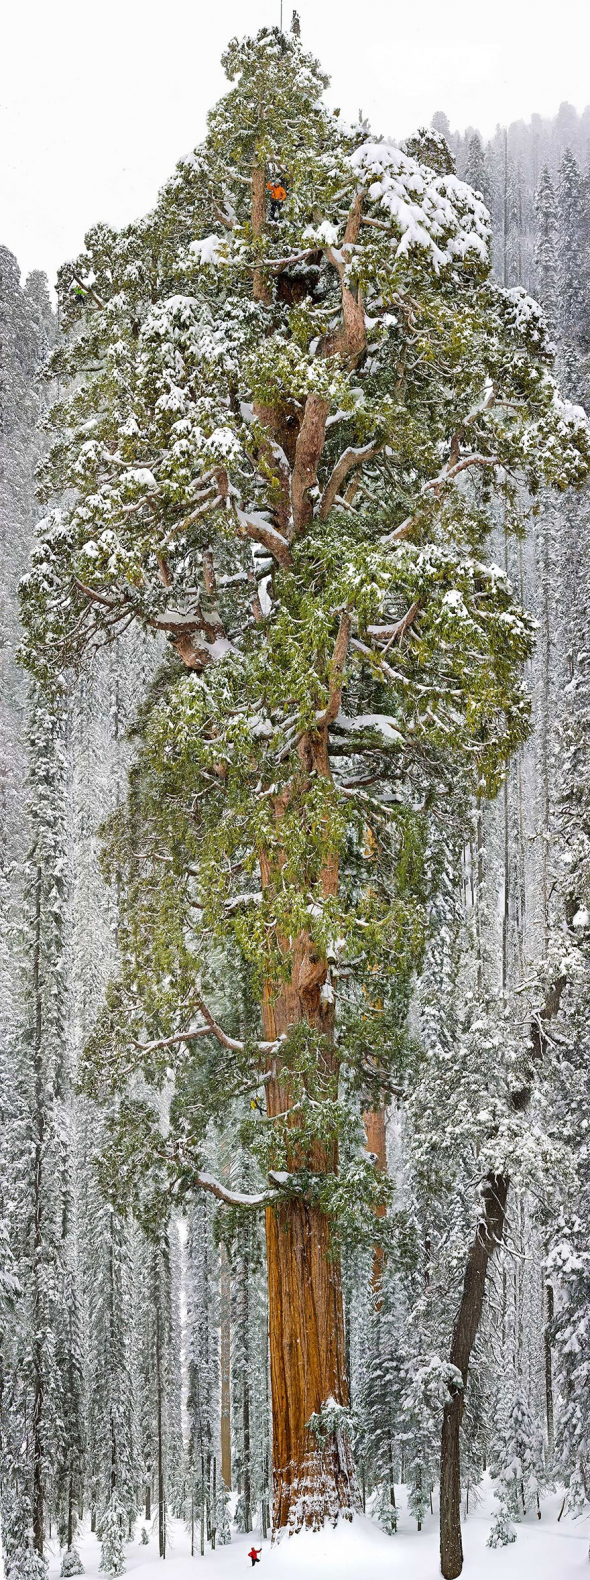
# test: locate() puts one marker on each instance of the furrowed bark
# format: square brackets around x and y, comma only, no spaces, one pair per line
[307,1352]
[488,1236]
[308,450]
[262,292]
[311,1483]
[374,1122]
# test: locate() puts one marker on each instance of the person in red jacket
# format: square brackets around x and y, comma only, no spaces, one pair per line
[253,1554]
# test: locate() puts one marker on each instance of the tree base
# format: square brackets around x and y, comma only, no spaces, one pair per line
[323,1488]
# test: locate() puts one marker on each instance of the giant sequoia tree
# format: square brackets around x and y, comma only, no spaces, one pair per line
[281,448]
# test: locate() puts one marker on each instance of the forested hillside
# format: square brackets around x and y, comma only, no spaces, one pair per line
[294,848]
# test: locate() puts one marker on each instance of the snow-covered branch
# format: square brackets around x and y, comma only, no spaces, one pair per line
[251,525]
[349,460]
[210,1029]
[235,1198]
[436,485]
[394,633]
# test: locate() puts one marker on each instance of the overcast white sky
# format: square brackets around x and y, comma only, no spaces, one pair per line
[98,98]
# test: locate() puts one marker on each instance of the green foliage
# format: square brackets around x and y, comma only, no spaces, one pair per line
[188,399]
[332,1421]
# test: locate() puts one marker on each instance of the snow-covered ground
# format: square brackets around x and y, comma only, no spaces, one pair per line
[544,1550]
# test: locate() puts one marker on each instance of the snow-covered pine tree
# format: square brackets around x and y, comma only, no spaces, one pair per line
[174,1378]
[427,1385]
[156,1365]
[203,1363]
[43,1390]
[265,485]
[516,1454]
[502,1531]
[567,1268]
[30,751]
[381,1355]
[112,1537]
[114,1463]
[546,250]
[475,172]
[574,269]
[68,1491]
[250,1388]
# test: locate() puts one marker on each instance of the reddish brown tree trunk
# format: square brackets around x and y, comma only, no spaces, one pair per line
[307,1367]
[374,1121]
[261,289]
[311,1481]
[306,1322]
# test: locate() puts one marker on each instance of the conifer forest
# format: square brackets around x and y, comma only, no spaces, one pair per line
[295,857]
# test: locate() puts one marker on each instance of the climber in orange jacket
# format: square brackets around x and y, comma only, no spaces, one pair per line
[277,196]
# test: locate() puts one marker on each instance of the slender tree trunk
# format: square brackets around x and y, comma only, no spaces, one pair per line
[214,1507]
[550,1310]
[489,1234]
[246,1390]
[161,1494]
[391,1472]
[39,1382]
[374,1121]
[225,1367]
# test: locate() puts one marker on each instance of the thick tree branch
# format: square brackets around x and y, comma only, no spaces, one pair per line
[436,486]
[211,1029]
[308,450]
[171,1042]
[96,597]
[251,525]
[337,671]
[350,340]
[349,460]
[234,1198]
[393,633]
[232,1042]
[88,290]
[183,628]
